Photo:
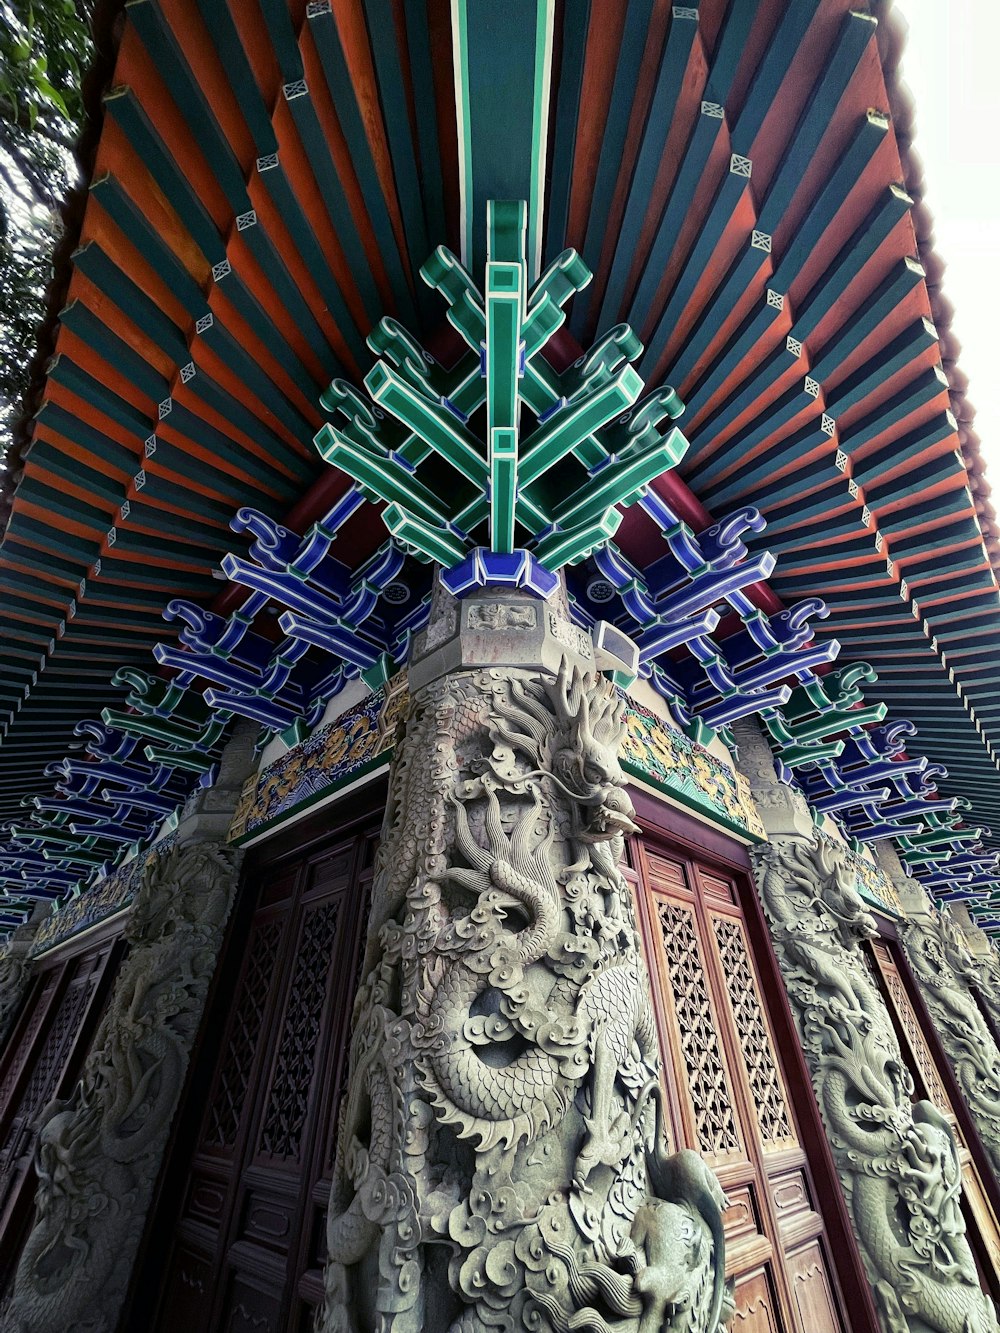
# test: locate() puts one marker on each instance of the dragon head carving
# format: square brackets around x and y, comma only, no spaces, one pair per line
[568,729]
[581,755]
[822,872]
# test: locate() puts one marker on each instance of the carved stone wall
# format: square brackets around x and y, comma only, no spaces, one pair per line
[100,1151]
[15,972]
[985,959]
[944,970]
[501,1162]
[896,1159]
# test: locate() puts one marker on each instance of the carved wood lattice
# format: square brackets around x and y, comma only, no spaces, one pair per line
[230,1095]
[710,1094]
[48,1067]
[26,1039]
[287,1105]
[762,1072]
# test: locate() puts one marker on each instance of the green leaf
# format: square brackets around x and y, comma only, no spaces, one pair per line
[49,93]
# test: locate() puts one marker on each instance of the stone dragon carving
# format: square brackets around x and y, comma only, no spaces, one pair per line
[99,1151]
[897,1160]
[987,965]
[501,1159]
[944,969]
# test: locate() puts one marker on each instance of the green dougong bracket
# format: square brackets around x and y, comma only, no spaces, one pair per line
[806,726]
[447,450]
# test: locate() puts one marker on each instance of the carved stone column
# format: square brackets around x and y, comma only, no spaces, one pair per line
[15,969]
[985,958]
[101,1150]
[943,968]
[501,1161]
[896,1159]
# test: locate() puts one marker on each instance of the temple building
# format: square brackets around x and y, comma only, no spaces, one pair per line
[499,710]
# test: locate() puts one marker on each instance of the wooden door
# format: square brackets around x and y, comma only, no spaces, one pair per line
[729,1093]
[929,1080]
[39,1063]
[248,1248]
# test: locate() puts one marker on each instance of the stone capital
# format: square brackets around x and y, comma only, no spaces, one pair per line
[783,811]
[913,897]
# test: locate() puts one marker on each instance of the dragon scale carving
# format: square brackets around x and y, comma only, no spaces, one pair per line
[99,1151]
[987,965]
[896,1159]
[500,1160]
[944,969]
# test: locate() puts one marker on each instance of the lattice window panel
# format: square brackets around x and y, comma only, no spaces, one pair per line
[39,1007]
[48,1067]
[915,1037]
[231,1093]
[715,1120]
[762,1071]
[285,1116]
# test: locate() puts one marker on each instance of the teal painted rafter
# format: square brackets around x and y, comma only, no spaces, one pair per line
[503,64]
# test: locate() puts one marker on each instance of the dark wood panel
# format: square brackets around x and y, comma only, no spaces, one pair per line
[249,1222]
[47,1050]
[734,1097]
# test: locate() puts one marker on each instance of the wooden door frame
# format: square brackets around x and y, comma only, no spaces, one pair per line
[356,812]
[711,846]
[15,1212]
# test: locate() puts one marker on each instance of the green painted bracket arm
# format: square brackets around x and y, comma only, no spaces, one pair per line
[567,546]
[607,356]
[429,542]
[146,693]
[167,730]
[935,837]
[384,477]
[564,433]
[190,762]
[436,424]
[462,386]
[445,274]
[505,279]
[620,478]
[827,724]
[355,420]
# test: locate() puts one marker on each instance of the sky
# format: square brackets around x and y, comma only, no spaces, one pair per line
[949,63]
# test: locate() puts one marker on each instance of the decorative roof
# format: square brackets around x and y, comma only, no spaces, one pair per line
[267,185]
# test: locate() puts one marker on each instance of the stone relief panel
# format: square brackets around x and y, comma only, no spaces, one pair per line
[501,1160]
[100,1150]
[896,1159]
[944,968]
